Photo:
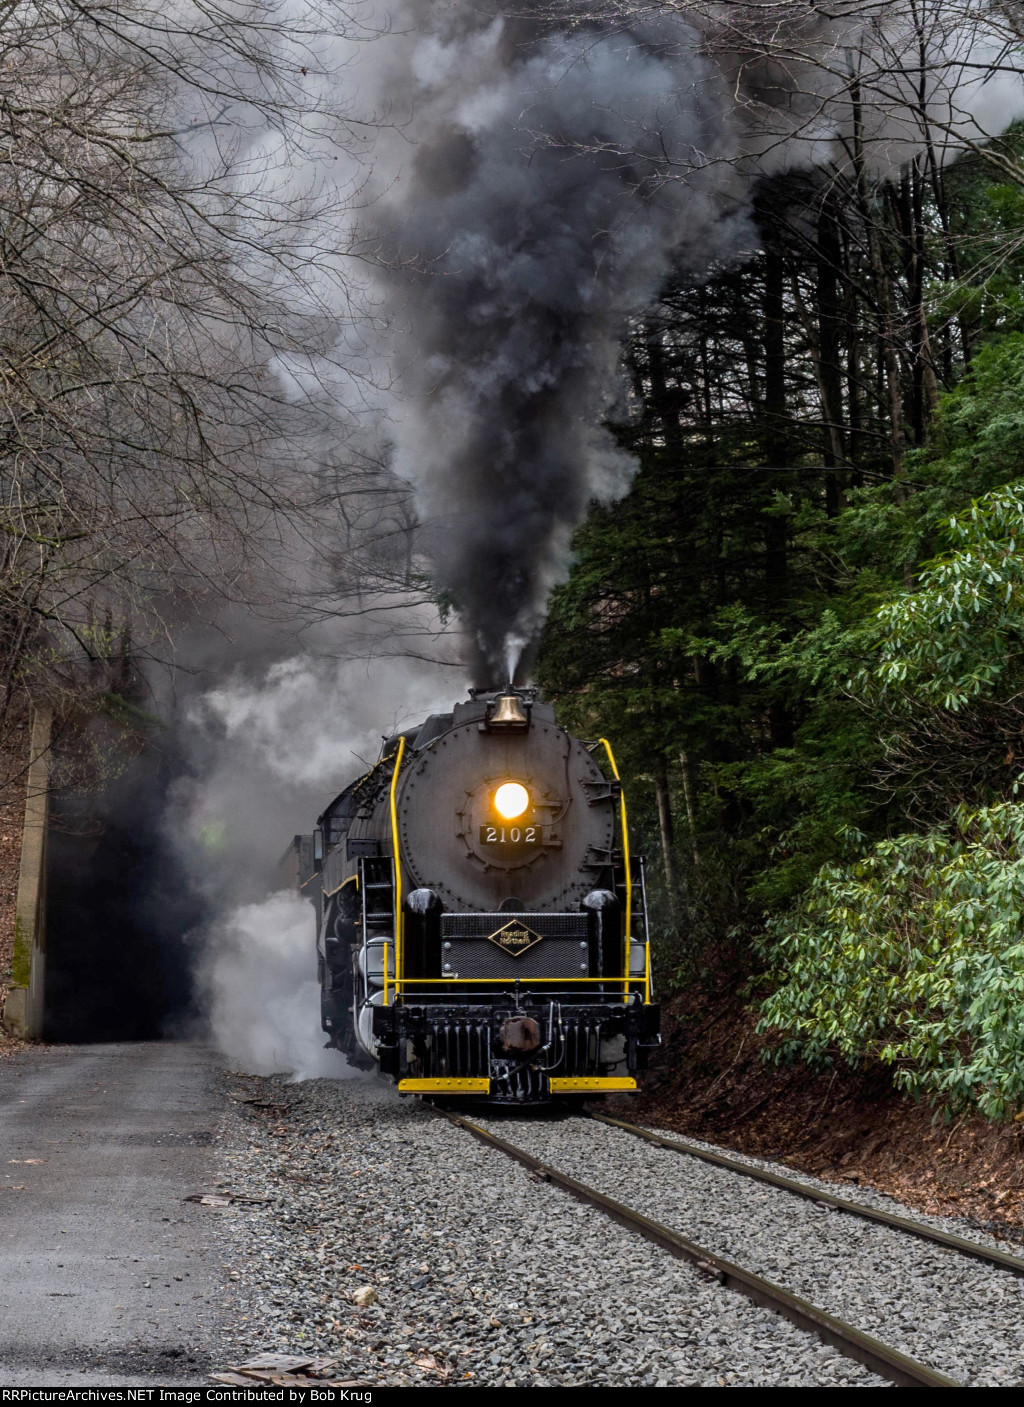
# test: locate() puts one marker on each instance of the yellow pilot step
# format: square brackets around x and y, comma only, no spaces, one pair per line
[464,1085]
[453,1086]
[568,1085]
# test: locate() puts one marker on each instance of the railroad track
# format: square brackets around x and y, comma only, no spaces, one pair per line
[989,1254]
[846,1338]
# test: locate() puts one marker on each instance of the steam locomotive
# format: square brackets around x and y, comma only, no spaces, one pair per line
[482,925]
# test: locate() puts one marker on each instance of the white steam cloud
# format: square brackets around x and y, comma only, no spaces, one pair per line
[269,749]
[260,990]
[307,723]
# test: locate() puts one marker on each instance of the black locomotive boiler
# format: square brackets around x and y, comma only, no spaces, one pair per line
[482,924]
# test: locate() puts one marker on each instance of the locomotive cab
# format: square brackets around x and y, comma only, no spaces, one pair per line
[482,924]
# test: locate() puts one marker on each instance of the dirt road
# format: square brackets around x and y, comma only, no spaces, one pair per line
[107,1275]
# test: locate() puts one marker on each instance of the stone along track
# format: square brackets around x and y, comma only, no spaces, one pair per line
[815,1191]
[850,1341]
[369,1230]
[893,1291]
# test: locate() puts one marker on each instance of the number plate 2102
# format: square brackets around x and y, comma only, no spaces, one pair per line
[510,835]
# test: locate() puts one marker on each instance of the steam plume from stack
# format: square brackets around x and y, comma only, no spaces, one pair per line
[541,176]
[530,217]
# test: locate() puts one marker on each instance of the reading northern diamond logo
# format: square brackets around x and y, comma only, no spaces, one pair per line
[514,938]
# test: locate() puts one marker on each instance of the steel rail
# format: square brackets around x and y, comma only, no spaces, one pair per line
[948,1239]
[850,1341]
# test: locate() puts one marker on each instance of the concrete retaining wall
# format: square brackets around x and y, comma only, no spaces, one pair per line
[23,1009]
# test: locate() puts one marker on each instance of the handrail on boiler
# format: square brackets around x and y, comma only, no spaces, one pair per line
[397,862]
[625,856]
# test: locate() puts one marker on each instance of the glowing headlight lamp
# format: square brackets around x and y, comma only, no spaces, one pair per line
[511,800]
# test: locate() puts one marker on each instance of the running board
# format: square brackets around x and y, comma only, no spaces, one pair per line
[590,1083]
[440,1086]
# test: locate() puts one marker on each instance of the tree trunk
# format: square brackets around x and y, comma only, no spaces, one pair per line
[691,819]
[661,400]
[776,528]
[854,389]
[830,381]
[889,362]
[668,839]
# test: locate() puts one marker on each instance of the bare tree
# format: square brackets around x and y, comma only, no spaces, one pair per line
[158,267]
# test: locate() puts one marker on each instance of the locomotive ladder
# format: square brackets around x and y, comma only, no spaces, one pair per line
[377,898]
[377,891]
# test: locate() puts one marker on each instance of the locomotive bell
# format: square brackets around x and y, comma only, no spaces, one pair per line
[508,715]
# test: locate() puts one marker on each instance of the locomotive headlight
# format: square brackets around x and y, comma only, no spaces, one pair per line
[511,800]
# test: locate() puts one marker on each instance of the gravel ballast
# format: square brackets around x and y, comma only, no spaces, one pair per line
[478,1273]
[944,1309]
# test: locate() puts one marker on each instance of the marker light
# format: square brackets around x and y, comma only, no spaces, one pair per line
[511,800]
